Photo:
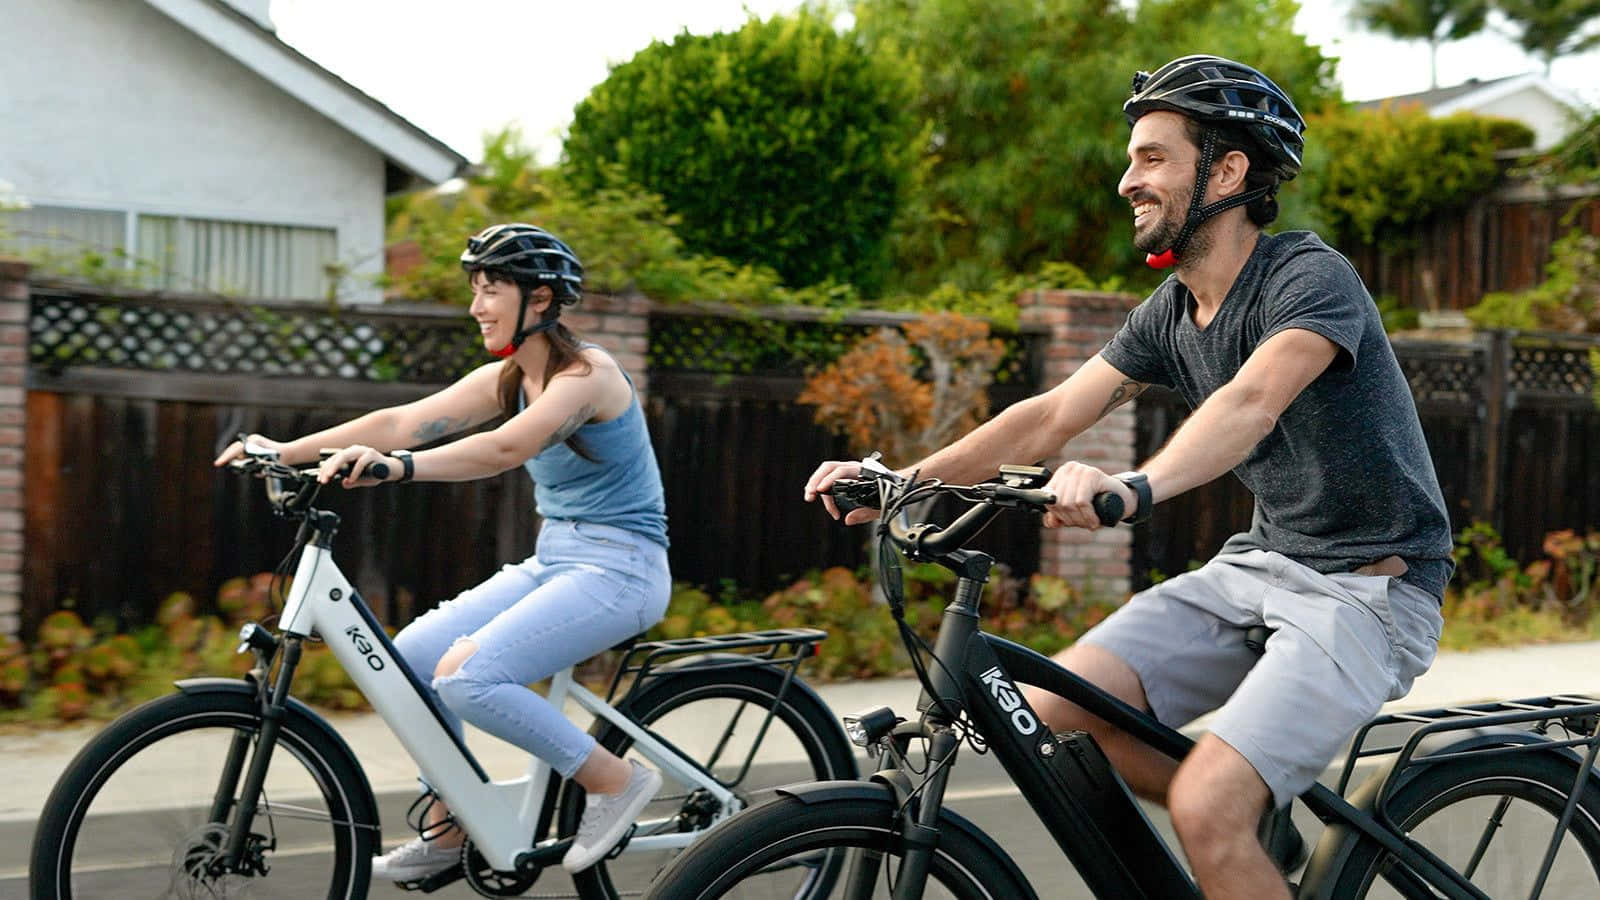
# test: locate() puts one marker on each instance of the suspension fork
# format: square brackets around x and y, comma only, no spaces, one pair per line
[272,713]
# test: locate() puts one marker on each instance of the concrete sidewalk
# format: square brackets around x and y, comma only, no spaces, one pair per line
[30,762]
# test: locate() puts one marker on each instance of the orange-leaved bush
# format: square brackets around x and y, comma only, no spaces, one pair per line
[908,392]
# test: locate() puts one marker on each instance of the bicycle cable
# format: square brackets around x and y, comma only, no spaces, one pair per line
[890,576]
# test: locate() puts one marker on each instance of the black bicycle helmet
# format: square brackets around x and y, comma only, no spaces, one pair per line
[1218,92]
[531,256]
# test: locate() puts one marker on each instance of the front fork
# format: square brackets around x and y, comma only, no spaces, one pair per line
[916,814]
[274,699]
[919,821]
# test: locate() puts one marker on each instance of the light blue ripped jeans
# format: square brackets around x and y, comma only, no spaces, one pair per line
[587,588]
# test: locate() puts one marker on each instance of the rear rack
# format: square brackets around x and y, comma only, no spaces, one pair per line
[774,647]
[1578,714]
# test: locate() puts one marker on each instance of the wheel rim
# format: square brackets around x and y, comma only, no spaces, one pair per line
[126,845]
[1498,829]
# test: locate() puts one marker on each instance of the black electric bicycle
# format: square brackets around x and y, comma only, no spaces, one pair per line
[1492,800]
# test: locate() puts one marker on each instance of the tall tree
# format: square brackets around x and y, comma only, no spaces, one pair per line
[1434,21]
[1025,97]
[1551,29]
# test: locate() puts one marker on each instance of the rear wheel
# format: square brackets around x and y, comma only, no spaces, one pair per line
[715,718]
[779,849]
[1490,818]
[102,837]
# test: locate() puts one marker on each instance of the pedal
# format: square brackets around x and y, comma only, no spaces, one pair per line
[430,883]
[622,844]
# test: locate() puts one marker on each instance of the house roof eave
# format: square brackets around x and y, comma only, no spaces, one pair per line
[243,39]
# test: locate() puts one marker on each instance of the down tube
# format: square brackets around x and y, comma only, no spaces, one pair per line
[488,809]
[1116,860]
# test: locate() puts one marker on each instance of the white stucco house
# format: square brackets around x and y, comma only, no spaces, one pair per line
[183,140]
[1531,99]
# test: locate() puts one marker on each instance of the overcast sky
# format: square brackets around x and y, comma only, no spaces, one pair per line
[482,64]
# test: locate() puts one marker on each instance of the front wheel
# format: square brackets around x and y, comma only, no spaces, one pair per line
[773,851]
[1490,818]
[715,717]
[142,810]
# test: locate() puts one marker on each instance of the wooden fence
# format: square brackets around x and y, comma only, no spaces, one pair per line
[1511,423]
[130,398]
[1499,243]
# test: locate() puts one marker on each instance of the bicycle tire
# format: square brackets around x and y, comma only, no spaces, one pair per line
[1533,785]
[740,858]
[87,808]
[815,736]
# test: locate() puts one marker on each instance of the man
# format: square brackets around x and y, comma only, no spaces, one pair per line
[1278,348]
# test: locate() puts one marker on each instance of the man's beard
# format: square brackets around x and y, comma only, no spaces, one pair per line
[1164,233]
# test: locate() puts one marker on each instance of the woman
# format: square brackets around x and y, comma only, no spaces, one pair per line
[599,574]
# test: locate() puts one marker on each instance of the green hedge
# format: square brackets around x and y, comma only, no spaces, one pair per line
[783,144]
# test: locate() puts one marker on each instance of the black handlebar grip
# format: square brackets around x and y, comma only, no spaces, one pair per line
[378,470]
[1108,507]
[854,493]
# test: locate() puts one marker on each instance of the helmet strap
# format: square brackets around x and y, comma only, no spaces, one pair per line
[552,314]
[1198,211]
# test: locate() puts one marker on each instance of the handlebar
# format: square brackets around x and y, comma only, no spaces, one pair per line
[925,540]
[291,489]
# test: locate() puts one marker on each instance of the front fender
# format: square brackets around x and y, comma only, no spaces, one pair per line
[826,791]
[303,716]
[1339,839]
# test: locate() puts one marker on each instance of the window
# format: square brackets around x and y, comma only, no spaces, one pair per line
[176,253]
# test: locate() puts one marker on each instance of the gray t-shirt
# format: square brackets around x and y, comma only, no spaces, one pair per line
[1344,479]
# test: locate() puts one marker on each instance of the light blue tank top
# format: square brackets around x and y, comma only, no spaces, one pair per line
[622,488]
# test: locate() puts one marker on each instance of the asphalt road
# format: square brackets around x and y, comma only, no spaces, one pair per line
[980,791]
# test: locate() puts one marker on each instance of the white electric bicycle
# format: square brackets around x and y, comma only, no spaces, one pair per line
[273,803]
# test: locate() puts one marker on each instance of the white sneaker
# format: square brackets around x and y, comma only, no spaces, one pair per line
[606,818]
[414,859]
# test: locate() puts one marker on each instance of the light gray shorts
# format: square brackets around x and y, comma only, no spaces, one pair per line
[1342,645]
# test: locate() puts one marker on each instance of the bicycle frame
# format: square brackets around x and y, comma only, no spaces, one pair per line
[501,817]
[975,672]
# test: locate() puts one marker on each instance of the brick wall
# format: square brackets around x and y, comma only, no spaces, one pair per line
[1080,324]
[13,412]
[620,324]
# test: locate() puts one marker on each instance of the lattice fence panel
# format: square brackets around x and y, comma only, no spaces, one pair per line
[159,335]
[759,346]
[1439,374]
[1559,369]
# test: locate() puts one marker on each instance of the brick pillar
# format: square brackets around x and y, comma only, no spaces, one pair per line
[1080,324]
[13,429]
[621,324]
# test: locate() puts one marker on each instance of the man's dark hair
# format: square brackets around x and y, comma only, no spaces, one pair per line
[1264,210]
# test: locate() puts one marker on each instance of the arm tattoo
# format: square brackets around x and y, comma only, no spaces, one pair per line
[1125,391]
[570,426]
[439,427]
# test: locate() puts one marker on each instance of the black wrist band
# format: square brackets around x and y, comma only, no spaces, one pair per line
[1143,498]
[408,466]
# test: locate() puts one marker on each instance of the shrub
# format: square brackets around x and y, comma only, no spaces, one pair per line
[908,392]
[784,144]
[1567,300]
[1494,600]
[1377,174]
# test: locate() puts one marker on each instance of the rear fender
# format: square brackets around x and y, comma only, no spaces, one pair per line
[1339,839]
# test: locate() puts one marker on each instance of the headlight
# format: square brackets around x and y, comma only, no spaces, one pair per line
[869,726]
